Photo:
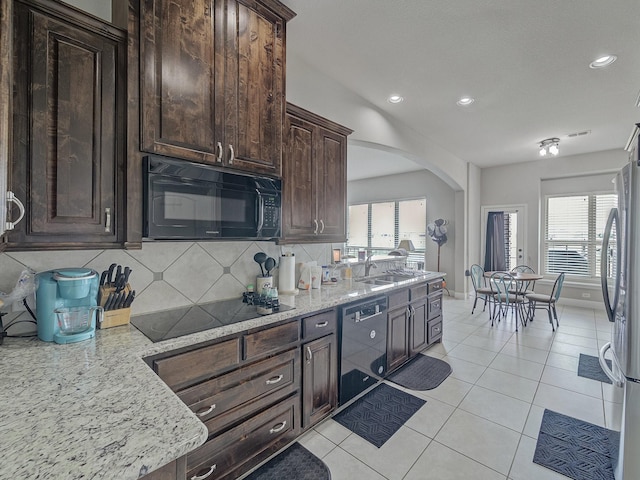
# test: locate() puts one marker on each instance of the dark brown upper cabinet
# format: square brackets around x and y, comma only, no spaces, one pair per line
[68,127]
[212,80]
[314,179]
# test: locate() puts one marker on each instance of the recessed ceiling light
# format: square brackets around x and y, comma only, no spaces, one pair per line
[464,101]
[395,99]
[603,61]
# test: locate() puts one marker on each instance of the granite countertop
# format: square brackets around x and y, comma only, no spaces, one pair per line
[95,409]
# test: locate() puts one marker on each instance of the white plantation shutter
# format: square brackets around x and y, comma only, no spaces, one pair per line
[573,233]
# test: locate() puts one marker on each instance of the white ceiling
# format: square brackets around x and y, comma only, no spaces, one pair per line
[525,62]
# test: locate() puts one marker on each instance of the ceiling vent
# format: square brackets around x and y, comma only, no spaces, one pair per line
[579,134]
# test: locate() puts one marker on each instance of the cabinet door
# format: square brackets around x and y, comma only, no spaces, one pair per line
[181,53]
[418,337]
[68,99]
[320,379]
[397,338]
[6,7]
[332,185]
[254,87]
[299,203]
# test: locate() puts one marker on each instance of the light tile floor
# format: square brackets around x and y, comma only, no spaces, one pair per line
[482,422]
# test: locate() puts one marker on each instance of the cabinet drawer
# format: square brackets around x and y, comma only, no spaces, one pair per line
[434,305]
[220,401]
[253,441]
[434,329]
[419,291]
[435,286]
[270,340]
[319,325]
[187,368]
[397,299]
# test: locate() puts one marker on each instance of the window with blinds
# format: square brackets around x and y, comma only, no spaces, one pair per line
[574,229]
[379,227]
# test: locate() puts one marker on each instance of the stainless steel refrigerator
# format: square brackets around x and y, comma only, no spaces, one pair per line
[620,274]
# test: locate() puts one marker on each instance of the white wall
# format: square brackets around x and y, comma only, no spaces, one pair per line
[441,203]
[520,184]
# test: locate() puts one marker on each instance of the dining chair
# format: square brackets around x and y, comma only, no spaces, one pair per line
[526,288]
[548,302]
[480,286]
[503,286]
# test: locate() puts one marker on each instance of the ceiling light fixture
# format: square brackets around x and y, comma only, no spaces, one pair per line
[395,99]
[465,101]
[603,61]
[549,145]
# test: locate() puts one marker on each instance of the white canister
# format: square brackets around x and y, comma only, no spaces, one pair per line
[263,283]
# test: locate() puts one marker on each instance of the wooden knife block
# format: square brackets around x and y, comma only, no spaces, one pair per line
[113,318]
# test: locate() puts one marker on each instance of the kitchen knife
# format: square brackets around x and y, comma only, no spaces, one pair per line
[127,272]
[107,304]
[121,300]
[120,283]
[130,298]
[103,277]
[110,273]
[118,273]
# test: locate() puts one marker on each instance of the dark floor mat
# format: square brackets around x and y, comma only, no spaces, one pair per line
[421,373]
[589,367]
[576,449]
[379,414]
[295,462]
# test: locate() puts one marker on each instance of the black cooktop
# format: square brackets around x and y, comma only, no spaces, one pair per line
[177,322]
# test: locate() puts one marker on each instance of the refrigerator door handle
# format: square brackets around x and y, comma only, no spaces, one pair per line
[604,262]
[618,382]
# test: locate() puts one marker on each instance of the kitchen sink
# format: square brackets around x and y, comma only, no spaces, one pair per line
[386,279]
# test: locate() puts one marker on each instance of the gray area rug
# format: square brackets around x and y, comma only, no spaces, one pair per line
[379,414]
[421,373]
[576,449]
[296,462]
[589,367]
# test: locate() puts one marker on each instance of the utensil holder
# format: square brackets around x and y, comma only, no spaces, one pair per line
[262,283]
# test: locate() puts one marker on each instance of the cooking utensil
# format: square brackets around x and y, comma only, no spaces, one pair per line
[109,278]
[269,264]
[129,299]
[260,258]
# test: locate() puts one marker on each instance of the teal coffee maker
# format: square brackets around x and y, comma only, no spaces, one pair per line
[66,304]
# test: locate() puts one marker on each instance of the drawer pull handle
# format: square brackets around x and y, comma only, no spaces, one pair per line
[219,156]
[202,413]
[322,325]
[279,427]
[273,380]
[436,329]
[212,469]
[232,155]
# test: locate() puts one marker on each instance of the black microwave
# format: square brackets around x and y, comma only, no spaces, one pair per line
[190,201]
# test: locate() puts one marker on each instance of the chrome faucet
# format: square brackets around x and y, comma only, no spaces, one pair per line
[368,265]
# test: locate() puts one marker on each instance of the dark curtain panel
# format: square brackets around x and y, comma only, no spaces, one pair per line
[495,249]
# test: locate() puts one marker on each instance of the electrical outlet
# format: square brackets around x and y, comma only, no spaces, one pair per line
[586,295]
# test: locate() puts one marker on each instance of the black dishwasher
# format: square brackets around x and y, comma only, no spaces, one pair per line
[363,346]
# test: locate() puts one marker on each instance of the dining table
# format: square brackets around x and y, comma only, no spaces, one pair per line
[522,280]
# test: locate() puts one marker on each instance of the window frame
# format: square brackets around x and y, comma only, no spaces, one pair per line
[590,245]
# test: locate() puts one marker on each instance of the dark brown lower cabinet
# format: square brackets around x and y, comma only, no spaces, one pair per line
[418,335]
[397,337]
[234,452]
[319,379]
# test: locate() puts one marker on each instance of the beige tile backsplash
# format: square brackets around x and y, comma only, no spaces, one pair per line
[166,274]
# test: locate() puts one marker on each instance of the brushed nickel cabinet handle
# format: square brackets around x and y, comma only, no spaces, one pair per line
[315,230]
[219,156]
[11,198]
[212,469]
[322,226]
[202,413]
[279,427]
[107,222]
[322,325]
[232,155]
[309,354]
[274,380]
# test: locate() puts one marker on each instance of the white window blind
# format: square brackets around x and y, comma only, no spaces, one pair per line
[378,227]
[573,233]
